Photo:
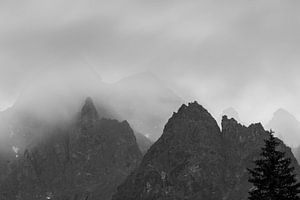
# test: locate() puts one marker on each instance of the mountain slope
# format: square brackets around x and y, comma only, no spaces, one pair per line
[194,159]
[86,159]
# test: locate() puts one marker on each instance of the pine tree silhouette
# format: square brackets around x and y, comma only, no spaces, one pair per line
[273,177]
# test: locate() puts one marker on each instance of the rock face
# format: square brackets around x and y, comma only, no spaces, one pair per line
[194,159]
[242,145]
[85,160]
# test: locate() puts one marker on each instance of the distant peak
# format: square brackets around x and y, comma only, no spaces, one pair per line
[283,114]
[89,100]
[285,125]
[89,108]
[281,111]
[88,113]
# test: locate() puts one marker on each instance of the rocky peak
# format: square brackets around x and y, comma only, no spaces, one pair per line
[194,111]
[190,138]
[238,133]
[256,127]
[231,113]
[282,113]
[79,161]
[88,114]
[191,122]
[228,122]
[193,159]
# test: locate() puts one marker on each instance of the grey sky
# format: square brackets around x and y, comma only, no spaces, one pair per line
[241,54]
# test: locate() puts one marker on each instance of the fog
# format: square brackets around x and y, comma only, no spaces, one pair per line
[240,54]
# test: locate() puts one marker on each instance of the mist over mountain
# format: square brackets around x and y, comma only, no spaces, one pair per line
[286,126]
[218,53]
[145,102]
[88,90]
[141,99]
[89,157]
[194,159]
[86,159]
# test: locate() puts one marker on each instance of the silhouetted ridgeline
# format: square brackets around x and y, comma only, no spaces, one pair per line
[194,159]
[89,157]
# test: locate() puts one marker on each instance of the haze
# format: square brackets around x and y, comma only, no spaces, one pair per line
[240,54]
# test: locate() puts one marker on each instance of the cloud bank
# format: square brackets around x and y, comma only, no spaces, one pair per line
[241,54]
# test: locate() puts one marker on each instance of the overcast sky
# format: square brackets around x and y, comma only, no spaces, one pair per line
[234,53]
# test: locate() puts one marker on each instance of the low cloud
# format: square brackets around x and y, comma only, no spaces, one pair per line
[242,54]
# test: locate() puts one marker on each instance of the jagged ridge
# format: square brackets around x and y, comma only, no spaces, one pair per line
[193,159]
[87,159]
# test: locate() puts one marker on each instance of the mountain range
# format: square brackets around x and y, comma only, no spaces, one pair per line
[195,159]
[91,157]
[141,99]
[284,124]
[61,145]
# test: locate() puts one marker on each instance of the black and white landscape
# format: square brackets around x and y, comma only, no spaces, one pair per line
[149,100]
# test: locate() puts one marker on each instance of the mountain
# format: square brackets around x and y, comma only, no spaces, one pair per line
[86,159]
[141,99]
[194,159]
[286,127]
[53,99]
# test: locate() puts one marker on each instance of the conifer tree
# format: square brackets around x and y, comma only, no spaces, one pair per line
[273,176]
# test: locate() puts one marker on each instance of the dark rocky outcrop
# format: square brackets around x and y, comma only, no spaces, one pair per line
[87,159]
[242,145]
[194,159]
